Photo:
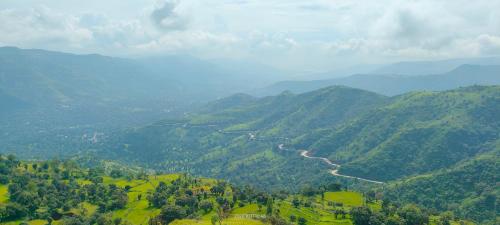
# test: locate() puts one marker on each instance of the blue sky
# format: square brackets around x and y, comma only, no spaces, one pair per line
[313,35]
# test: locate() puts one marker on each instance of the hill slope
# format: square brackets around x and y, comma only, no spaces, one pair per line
[469,188]
[241,143]
[416,133]
[371,136]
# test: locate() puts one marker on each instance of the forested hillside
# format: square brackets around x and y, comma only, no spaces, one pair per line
[370,136]
[241,143]
[416,133]
[470,188]
[62,193]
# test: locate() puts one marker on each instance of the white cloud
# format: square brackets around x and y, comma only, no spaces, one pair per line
[316,34]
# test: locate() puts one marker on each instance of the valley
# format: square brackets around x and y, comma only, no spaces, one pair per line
[397,148]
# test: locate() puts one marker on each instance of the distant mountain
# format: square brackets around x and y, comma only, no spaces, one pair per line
[49,78]
[464,75]
[68,91]
[432,67]
[209,80]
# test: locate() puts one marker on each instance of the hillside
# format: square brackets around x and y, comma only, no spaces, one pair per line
[395,84]
[370,136]
[469,188]
[71,97]
[63,193]
[9,104]
[241,143]
[415,133]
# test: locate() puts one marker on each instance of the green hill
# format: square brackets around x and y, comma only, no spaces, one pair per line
[62,193]
[371,136]
[416,133]
[470,188]
[241,143]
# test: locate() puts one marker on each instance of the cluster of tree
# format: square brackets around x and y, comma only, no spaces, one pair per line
[49,190]
[392,214]
[187,198]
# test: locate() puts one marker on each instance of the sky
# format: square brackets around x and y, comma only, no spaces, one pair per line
[298,35]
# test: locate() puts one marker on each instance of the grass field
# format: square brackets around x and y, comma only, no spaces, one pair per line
[229,221]
[347,198]
[248,209]
[312,215]
[138,210]
[4,196]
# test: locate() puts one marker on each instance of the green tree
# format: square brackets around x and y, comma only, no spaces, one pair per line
[302,221]
[215,219]
[361,215]
[269,206]
[170,213]
[413,215]
[206,205]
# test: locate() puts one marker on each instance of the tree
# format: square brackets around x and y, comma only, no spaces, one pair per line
[393,220]
[269,209]
[308,191]
[446,217]
[116,173]
[302,221]
[361,215]
[4,179]
[215,219]
[413,215]
[170,213]
[276,220]
[206,205]
[296,203]
[14,211]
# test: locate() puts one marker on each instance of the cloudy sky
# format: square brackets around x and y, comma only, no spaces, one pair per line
[312,35]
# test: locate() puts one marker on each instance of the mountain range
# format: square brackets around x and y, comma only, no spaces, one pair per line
[395,84]
[46,95]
